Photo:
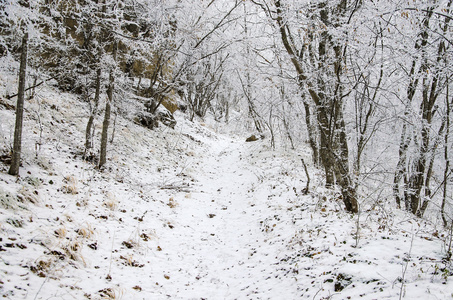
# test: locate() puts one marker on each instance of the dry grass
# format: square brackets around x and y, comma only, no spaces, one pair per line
[85,200]
[128,259]
[86,231]
[111,293]
[111,202]
[70,186]
[42,267]
[130,244]
[73,249]
[61,232]
[172,203]
[7,201]
[26,195]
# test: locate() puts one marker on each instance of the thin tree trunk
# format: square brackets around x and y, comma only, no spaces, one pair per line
[288,133]
[227,112]
[17,148]
[311,134]
[105,124]
[89,128]
[138,83]
[447,161]
[327,147]
[114,127]
[104,136]
[271,129]
[307,187]
[347,184]
[418,179]
[429,173]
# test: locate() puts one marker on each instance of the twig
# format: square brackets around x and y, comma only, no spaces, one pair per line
[175,187]
[317,292]
[111,257]
[31,87]
[305,190]
[357,233]
[45,280]
[449,245]
[406,260]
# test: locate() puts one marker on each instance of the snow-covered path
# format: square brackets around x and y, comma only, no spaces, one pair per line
[218,253]
[192,214]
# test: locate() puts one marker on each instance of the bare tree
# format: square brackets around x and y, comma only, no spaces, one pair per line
[106,123]
[414,171]
[17,147]
[327,91]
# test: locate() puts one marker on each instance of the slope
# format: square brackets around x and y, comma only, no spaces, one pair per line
[193,214]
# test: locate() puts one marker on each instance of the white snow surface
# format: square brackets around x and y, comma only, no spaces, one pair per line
[192,213]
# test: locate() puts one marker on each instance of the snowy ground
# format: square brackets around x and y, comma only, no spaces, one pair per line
[193,214]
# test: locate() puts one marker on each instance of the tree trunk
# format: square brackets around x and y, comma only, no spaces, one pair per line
[447,164]
[347,182]
[17,148]
[401,168]
[105,124]
[326,95]
[417,180]
[311,133]
[429,173]
[89,128]
[114,127]
[104,136]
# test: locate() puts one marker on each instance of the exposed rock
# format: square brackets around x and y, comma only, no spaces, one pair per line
[165,116]
[151,121]
[254,138]
[342,281]
[251,138]
[147,120]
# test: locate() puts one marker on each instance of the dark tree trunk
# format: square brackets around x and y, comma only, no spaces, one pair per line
[105,124]
[447,161]
[104,136]
[17,148]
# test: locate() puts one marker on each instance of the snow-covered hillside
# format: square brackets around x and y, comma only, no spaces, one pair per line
[191,213]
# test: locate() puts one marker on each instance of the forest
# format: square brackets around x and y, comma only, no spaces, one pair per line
[349,98]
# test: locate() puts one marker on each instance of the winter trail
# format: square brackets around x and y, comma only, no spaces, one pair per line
[220,253]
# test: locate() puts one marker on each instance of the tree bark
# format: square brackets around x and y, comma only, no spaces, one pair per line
[311,133]
[104,136]
[89,128]
[105,124]
[447,162]
[17,148]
